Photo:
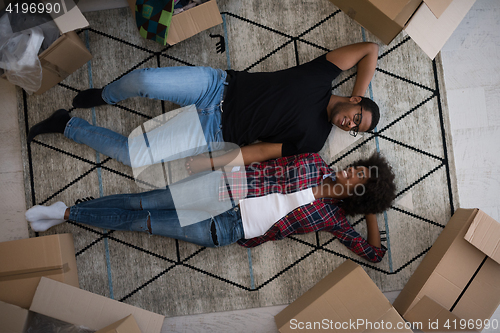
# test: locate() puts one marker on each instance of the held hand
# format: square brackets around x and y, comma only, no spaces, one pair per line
[198,163]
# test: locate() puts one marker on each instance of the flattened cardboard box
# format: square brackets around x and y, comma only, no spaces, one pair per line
[83,308]
[126,325]
[190,22]
[67,53]
[455,274]
[429,23]
[347,295]
[23,262]
[13,319]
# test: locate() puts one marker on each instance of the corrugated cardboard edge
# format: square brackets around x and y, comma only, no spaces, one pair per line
[13,319]
[126,325]
[484,234]
[432,259]
[83,308]
[431,33]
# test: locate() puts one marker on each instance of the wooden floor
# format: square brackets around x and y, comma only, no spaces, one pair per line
[472,75]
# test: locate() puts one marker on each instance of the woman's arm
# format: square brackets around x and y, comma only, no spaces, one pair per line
[373,236]
[364,55]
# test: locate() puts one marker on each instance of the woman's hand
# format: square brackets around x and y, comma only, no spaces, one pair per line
[198,163]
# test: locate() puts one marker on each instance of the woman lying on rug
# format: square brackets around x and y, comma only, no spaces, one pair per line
[286,196]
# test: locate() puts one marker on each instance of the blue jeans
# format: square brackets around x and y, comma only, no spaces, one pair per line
[131,212]
[201,86]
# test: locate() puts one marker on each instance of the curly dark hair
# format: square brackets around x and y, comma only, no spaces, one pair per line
[380,189]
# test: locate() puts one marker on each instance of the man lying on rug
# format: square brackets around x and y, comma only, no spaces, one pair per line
[286,196]
[291,111]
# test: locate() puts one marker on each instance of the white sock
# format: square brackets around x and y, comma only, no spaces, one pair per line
[53,212]
[43,225]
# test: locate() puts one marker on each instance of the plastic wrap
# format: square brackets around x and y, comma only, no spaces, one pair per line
[39,323]
[19,55]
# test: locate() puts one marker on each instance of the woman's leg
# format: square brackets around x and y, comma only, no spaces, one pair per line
[220,230]
[183,85]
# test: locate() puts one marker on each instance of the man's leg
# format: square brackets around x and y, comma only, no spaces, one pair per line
[182,85]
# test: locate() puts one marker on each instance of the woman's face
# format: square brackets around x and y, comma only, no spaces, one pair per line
[352,179]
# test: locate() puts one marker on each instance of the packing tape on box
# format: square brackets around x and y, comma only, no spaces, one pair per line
[25,274]
[54,69]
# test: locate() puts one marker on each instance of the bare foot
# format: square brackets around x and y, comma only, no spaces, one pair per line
[198,163]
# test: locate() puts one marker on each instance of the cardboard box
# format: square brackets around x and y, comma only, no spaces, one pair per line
[23,262]
[455,274]
[83,308]
[484,234]
[428,22]
[13,319]
[126,325]
[346,300]
[67,53]
[190,22]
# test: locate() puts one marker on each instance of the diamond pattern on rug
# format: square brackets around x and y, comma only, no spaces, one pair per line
[176,278]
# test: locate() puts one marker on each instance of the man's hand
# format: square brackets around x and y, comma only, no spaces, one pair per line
[258,152]
[364,55]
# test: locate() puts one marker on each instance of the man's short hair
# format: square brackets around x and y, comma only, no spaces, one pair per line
[372,107]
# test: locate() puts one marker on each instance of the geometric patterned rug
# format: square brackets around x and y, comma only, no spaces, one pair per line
[174,278]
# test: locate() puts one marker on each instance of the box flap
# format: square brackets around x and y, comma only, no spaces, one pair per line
[393,317]
[391,8]
[484,234]
[72,18]
[431,315]
[13,319]
[481,297]
[30,255]
[431,33]
[126,325]
[83,308]
[438,7]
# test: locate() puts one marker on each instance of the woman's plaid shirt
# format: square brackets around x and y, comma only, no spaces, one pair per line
[288,175]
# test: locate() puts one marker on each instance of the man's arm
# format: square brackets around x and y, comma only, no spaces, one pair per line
[364,55]
[373,236]
[257,152]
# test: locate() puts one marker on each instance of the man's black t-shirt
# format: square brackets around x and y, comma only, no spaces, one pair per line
[287,106]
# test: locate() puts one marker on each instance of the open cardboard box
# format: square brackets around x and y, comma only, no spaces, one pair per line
[346,300]
[67,53]
[14,319]
[428,22]
[23,263]
[191,21]
[83,308]
[455,274]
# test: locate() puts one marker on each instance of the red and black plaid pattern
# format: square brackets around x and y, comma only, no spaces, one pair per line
[288,175]
[283,175]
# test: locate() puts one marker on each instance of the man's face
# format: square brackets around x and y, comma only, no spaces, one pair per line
[343,116]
